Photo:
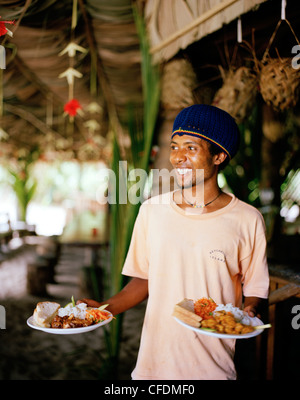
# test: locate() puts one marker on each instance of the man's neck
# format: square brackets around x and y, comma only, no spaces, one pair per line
[201,201]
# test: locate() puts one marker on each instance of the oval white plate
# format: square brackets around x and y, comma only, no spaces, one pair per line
[255,322]
[68,331]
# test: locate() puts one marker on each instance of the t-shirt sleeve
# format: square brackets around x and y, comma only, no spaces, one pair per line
[254,267]
[136,262]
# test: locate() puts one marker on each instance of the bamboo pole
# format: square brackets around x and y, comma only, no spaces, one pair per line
[198,21]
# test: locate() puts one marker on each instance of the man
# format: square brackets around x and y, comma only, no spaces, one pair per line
[193,242]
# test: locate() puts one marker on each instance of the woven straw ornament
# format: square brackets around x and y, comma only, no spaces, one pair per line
[178,83]
[279,81]
[238,92]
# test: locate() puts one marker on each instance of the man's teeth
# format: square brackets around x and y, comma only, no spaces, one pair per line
[183,171]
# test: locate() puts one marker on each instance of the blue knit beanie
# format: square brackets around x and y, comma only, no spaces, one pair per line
[209,123]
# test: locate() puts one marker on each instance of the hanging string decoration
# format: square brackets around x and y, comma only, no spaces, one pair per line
[91,148]
[3,28]
[72,107]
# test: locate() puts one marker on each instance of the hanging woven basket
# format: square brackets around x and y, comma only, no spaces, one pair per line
[238,92]
[178,83]
[279,82]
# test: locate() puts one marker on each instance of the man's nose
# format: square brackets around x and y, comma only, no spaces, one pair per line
[180,156]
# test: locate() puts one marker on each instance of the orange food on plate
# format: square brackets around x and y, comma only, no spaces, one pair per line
[204,307]
[97,315]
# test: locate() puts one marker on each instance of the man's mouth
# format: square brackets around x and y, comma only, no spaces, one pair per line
[183,171]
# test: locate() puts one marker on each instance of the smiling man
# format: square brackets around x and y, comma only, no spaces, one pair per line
[204,139]
[190,243]
[196,171]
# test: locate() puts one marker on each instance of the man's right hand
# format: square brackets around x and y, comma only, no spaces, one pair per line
[89,302]
[132,294]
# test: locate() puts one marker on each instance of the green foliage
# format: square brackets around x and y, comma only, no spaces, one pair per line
[23,183]
[243,174]
[24,189]
[123,216]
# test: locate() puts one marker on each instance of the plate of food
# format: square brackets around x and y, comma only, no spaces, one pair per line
[71,319]
[223,321]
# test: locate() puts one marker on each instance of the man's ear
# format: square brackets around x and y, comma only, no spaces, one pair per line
[220,157]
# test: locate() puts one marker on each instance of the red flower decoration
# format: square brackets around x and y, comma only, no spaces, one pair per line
[71,107]
[3,30]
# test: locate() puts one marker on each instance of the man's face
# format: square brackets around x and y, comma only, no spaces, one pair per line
[189,154]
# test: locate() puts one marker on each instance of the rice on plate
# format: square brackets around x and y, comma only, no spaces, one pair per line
[78,311]
[238,314]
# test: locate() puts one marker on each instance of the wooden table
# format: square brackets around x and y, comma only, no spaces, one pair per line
[88,230]
[94,243]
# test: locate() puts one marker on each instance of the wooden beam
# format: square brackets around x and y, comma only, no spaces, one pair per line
[284,293]
[32,119]
[198,21]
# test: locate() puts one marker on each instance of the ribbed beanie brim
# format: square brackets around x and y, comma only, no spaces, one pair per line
[209,123]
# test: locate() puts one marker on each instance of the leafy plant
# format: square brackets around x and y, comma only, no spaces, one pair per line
[23,184]
[123,215]
[243,174]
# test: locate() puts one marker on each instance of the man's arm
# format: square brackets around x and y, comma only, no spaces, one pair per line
[132,294]
[253,306]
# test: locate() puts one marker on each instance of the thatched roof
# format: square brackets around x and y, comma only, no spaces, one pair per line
[174,25]
[34,92]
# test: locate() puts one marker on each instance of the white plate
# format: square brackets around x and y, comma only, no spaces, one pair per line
[68,331]
[254,322]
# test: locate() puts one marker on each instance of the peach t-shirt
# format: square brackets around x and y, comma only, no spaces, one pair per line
[219,255]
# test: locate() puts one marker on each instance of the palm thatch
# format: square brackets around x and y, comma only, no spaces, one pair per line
[168,18]
[33,93]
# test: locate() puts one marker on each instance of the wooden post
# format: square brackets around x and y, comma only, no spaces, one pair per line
[271,336]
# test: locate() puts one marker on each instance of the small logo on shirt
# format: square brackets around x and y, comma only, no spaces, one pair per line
[218,255]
